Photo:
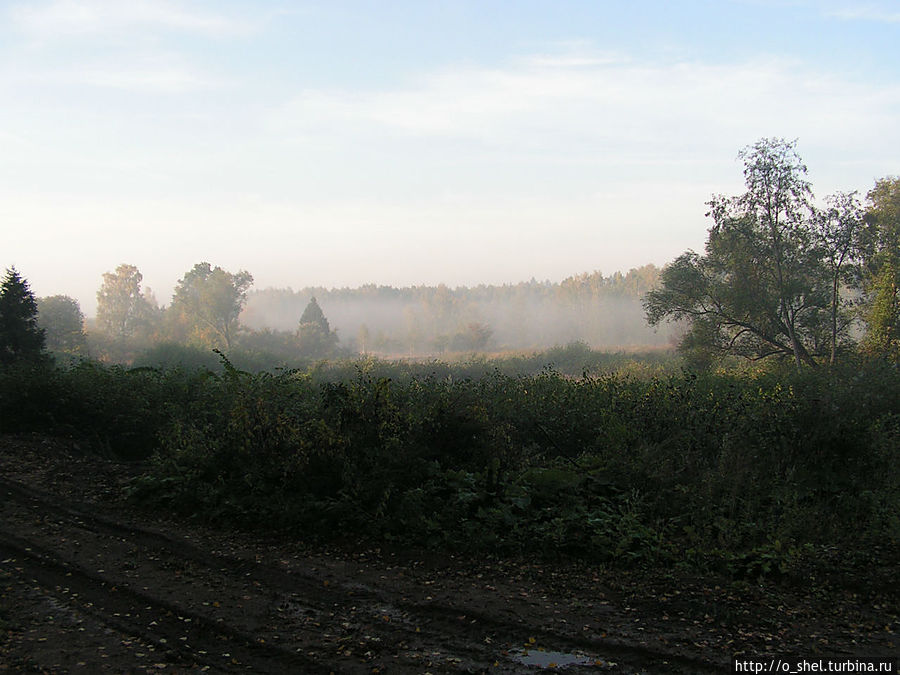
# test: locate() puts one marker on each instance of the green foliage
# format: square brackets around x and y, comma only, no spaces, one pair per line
[171,355]
[314,335]
[115,411]
[123,308]
[313,315]
[840,236]
[21,339]
[747,473]
[770,281]
[60,317]
[208,302]
[883,222]
[883,315]
[715,468]
[882,274]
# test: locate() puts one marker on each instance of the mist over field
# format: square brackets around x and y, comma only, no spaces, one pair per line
[603,312]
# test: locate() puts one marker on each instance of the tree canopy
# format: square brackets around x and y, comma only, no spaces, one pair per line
[122,306]
[882,270]
[208,300]
[769,283]
[62,321]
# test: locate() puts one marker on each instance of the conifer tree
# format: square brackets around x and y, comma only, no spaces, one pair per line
[315,334]
[20,337]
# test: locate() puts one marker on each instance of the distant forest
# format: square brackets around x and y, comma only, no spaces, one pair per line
[602,311]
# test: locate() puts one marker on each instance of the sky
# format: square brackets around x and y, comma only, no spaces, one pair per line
[415,142]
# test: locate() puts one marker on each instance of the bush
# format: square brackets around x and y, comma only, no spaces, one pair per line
[743,472]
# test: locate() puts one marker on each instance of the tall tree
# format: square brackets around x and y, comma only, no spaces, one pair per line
[209,301]
[760,290]
[122,307]
[882,268]
[838,230]
[60,317]
[21,339]
[314,333]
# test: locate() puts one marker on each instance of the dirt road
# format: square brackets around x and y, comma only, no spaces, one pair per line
[89,584]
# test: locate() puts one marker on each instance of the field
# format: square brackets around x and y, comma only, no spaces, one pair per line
[370,516]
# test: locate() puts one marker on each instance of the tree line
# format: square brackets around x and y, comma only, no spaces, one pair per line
[204,313]
[213,309]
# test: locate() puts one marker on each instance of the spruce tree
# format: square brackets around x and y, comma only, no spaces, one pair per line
[313,314]
[317,340]
[20,337]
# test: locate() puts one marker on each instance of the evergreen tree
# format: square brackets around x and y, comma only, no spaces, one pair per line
[315,334]
[20,337]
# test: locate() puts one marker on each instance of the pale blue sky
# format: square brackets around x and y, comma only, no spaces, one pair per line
[340,143]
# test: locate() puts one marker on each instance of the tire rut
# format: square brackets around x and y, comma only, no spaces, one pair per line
[318,616]
[186,635]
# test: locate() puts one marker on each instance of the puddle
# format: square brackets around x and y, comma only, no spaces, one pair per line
[545,658]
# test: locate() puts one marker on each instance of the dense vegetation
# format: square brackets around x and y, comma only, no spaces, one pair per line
[751,473]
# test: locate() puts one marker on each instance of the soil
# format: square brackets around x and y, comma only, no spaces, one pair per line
[92,584]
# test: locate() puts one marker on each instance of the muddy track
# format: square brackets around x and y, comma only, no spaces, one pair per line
[188,636]
[200,607]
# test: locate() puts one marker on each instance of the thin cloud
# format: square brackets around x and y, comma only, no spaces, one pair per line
[81,18]
[569,61]
[158,74]
[574,109]
[866,13]
[162,80]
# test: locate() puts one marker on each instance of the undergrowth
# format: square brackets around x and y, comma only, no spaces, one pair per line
[749,473]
